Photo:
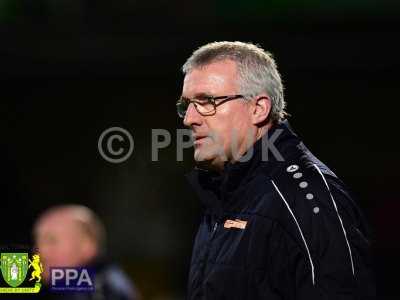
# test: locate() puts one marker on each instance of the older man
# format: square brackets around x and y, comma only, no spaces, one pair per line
[277,223]
[73,236]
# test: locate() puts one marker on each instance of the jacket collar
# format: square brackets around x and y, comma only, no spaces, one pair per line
[215,189]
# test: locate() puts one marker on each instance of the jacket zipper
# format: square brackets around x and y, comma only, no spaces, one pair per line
[213,231]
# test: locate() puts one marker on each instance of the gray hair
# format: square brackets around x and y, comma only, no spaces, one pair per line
[257,70]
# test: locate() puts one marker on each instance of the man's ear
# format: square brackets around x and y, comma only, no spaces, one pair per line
[261,109]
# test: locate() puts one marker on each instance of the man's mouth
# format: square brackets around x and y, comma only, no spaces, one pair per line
[197,139]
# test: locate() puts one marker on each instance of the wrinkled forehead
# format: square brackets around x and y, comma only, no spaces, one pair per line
[214,79]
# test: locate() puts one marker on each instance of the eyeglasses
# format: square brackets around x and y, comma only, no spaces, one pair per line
[205,105]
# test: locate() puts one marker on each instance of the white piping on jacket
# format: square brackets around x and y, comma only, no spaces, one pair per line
[301,232]
[338,215]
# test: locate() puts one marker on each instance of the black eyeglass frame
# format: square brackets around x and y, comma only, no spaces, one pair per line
[211,100]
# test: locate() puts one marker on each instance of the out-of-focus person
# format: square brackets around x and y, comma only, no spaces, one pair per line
[74,236]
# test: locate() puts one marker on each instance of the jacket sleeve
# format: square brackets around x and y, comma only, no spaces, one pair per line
[319,248]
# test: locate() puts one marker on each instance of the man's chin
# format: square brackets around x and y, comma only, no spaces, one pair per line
[209,162]
[201,156]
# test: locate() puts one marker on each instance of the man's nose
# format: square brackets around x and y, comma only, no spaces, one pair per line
[192,116]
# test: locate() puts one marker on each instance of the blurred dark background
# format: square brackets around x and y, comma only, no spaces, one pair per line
[70,69]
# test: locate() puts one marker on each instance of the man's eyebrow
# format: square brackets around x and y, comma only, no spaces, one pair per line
[200,95]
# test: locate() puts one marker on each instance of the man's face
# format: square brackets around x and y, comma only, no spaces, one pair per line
[60,242]
[221,136]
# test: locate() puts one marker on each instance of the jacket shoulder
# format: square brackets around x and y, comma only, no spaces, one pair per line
[317,211]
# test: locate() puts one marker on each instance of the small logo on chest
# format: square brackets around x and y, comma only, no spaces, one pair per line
[235,224]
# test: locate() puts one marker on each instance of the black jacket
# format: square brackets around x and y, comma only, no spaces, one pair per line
[275,229]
